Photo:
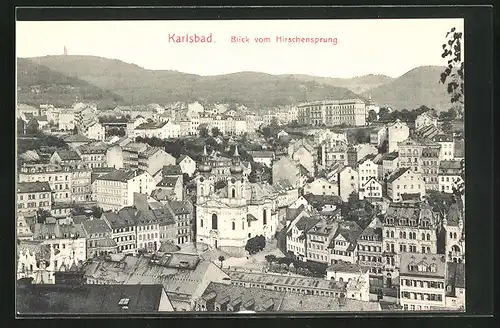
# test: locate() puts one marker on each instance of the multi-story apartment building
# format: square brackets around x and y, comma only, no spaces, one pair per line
[332,112]
[93,155]
[408,228]
[147,229]
[449,176]
[405,184]
[397,132]
[152,160]
[285,168]
[67,239]
[296,243]
[343,245]
[59,179]
[81,184]
[333,152]
[447,143]
[116,189]
[99,238]
[130,154]
[123,229]
[422,281]
[161,130]
[182,212]
[421,157]
[389,165]
[318,239]
[370,251]
[33,195]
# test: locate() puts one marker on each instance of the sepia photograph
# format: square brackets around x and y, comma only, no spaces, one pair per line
[298,165]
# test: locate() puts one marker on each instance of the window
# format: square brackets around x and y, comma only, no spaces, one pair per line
[201,223]
[214,221]
[264,217]
[233,224]
[233,193]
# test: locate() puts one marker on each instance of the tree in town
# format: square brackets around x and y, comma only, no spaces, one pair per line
[270,258]
[32,127]
[372,116]
[203,132]
[255,244]
[41,215]
[216,132]
[96,211]
[453,75]
[383,114]
[221,260]
[447,127]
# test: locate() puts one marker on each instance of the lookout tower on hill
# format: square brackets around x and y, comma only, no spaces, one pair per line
[65,51]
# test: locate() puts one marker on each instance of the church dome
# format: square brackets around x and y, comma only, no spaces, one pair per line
[204,168]
[236,169]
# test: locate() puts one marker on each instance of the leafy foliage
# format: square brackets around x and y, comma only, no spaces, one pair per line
[453,75]
[255,244]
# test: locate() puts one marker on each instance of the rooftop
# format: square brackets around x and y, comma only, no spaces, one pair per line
[168,182]
[455,277]
[68,155]
[31,187]
[342,266]
[121,175]
[152,125]
[262,154]
[57,299]
[398,173]
[180,274]
[95,226]
[430,265]
[284,280]
[171,170]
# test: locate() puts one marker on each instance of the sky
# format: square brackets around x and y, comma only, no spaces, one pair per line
[382,46]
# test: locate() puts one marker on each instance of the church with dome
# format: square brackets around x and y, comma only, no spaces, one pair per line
[228,217]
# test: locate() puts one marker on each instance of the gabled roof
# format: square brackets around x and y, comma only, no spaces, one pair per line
[68,155]
[455,276]
[182,157]
[390,156]
[396,174]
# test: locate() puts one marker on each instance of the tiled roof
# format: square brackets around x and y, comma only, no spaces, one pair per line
[306,223]
[68,155]
[47,230]
[95,148]
[171,170]
[163,193]
[149,151]
[180,207]
[180,274]
[56,299]
[121,175]
[396,174]
[168,182]
[349,230]
[95,226]
[390,156]
[181,158]
[30,187]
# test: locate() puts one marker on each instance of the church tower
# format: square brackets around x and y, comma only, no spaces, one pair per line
[205,185]
[236,182]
